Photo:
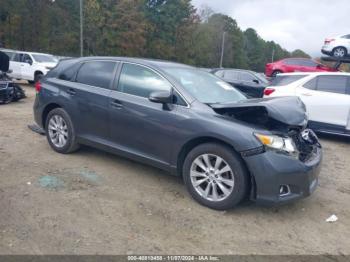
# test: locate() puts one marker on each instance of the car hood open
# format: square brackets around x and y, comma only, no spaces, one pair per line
[274,112]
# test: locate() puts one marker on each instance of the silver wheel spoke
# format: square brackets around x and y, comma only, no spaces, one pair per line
[215,192]
[207,161]
[217,163]
[199,163]
[197,174]
[199,182]
[225,169]
[225,190]
[226,181]
[207,189]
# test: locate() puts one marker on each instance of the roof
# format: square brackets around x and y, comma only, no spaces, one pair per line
[314,73]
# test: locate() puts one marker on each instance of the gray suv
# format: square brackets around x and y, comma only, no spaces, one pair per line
[183,120]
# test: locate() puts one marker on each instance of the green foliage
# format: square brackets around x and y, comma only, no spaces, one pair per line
[164,29]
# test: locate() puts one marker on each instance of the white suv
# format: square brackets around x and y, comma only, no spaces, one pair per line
[326,96]
[337,46]
[28,65]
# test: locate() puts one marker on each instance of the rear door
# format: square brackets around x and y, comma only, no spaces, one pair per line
[90,92]
[250,84]
[327,101]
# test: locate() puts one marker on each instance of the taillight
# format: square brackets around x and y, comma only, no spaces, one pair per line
[268,91]
[38,86]
[328,40]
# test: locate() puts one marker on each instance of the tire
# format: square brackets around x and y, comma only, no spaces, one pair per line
[65,129]
[37,77]
[276,72]
[339,52]
[31,82]
[235,192]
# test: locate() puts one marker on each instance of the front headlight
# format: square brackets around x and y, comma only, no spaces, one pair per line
[284,144]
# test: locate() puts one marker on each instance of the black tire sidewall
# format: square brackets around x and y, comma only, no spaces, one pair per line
[275,73]
[239,171]
[71,142]
[37,77]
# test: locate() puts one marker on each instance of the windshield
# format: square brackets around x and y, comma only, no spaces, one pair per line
[45,58]
[205,87]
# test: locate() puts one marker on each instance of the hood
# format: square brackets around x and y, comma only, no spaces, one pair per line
[273,113]
[48,64]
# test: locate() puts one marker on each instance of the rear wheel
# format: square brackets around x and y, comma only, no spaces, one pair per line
[215,176]
[37,77]
[339,52]
[60,132]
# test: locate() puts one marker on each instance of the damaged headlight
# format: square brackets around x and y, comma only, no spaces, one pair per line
[284,144]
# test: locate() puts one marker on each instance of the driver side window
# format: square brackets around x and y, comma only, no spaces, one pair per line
[140,81]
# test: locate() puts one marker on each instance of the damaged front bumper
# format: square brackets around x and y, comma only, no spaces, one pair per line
[280,178]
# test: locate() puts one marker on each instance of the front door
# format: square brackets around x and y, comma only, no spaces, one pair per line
[139,126]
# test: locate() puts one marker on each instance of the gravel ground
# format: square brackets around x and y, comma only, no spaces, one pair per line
[93,202]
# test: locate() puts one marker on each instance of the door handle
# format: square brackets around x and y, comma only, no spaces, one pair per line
[71,91]
[116,104]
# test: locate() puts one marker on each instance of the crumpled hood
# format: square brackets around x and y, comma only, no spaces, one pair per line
[286,110]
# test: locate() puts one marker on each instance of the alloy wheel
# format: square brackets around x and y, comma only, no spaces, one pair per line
[339,52]
[58,131]
[212,177]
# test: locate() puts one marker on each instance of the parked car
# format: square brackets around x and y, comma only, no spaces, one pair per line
[290,65]
[337,46]
[326,96]
[183,120]
[248,82]
[29,66]
[9,91]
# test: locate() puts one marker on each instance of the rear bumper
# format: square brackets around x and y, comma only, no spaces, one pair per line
[272,170]
[38,112]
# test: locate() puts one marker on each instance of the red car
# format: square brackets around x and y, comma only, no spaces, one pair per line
[290,65]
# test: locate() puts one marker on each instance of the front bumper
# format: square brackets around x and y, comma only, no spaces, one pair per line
[327,49]
[271,170]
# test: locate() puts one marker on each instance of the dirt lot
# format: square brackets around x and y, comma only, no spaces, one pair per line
[92,202]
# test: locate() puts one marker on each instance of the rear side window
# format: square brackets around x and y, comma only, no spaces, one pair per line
[231,75]
[96,73]
[9,54]
[141,81]
[312,84]
[285,80]
[247,77]
[70,73]
[333,84]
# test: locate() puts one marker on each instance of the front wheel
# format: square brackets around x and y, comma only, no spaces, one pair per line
[60,132]
[339,52]
[215,176]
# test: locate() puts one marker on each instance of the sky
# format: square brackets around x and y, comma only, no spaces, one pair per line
[294,24]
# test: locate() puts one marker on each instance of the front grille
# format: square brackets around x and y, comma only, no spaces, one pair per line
[307,144]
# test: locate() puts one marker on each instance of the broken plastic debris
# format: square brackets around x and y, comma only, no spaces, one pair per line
[332,218]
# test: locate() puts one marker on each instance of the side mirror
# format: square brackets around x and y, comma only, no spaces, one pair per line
[29,61]
[162,97]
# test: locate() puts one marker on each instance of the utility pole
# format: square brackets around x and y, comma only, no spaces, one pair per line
[81,29]
[222,49]
[273,55]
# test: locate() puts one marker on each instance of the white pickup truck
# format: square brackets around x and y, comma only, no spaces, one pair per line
[29,66]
